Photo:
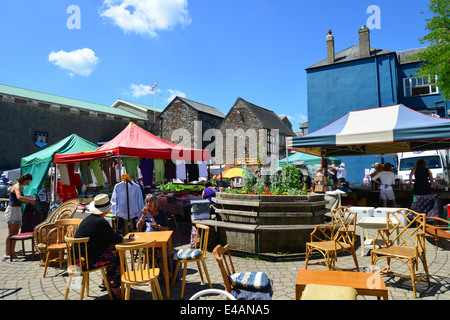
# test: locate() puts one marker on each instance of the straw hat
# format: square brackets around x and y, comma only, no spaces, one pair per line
[100,205]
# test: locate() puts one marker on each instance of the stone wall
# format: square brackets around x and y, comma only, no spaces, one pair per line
[193,123]
[20,121]
[179,116]
[240,117]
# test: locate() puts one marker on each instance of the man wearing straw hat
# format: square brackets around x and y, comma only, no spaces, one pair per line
[101,236]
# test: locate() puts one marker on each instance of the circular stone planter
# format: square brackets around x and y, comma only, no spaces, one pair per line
[267,223]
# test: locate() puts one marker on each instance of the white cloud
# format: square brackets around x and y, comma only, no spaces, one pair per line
[139,90]
[296,120]
[146,16]
[81,61]
[174,93]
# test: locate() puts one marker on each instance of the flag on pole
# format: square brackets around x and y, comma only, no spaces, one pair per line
[154,86]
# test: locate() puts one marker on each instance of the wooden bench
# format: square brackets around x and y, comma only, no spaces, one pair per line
[438,229]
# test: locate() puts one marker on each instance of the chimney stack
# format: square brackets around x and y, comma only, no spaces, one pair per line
[330,48]
[364,42]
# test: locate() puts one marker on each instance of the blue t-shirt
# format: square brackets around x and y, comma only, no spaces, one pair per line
[160,219]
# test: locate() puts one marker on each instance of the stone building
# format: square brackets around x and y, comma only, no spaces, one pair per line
[32,120]
[249,131]
[185,122]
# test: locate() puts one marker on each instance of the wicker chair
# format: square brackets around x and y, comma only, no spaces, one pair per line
[330,240]
[406,245]
[42,234]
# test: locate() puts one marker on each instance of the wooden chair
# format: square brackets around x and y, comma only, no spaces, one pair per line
[197,254]
[41,232]
[137,268]
[330,240]
[78,248]
[402,239]
[64,228]
[23,237]
[437,228]
[244,285]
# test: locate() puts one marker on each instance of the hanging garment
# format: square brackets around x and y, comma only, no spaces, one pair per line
[192,171]
[146,167]
[131,165]
[96,168]
[74,177]
[170,170]
[119,200]
[202,169]
[159,169]
[65,179]
[181,169]
[109,168]
[85,172]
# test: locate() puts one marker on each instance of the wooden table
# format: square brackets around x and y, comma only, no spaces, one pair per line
[368,284]
[372,223]
[164,241]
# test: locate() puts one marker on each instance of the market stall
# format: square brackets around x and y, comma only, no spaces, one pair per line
[390,129]
[148,159]
[38,164]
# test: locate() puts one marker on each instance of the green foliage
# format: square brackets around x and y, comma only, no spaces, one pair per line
[287,181]
[436,58]
[174,187]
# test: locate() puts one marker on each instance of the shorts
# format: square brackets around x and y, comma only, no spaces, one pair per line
[13,215]
[387,194]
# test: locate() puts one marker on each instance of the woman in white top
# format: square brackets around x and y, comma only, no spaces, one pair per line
[387,178]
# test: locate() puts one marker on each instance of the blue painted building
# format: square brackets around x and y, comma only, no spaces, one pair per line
[362,77]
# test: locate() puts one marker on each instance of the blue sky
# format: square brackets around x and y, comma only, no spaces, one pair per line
[209,51]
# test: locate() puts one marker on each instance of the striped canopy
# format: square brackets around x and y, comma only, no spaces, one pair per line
[389,129]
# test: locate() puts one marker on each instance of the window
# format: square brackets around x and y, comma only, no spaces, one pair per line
[414,87]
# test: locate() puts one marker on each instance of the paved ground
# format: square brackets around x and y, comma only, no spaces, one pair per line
[22,279]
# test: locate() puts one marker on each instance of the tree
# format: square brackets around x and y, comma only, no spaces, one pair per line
[436,58]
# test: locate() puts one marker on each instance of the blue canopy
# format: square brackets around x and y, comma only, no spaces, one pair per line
[299,158]
[389,129]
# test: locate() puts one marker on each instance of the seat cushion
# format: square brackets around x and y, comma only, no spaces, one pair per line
[187,254]
[327,292]
[249,280]
[25,235]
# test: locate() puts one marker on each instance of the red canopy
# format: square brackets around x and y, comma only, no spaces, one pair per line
[134,141]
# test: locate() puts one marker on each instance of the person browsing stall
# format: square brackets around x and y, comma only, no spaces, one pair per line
[209,192]
[151,217]
[13,213]
[386,181]
[423,178]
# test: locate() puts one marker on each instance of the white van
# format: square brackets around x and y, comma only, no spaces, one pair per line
[436,160]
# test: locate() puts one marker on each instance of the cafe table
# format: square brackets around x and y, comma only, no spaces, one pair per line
[164,241]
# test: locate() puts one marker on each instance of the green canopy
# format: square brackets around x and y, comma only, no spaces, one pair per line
[38,163]
[300,158]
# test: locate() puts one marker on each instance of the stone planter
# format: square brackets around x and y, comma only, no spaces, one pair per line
[260,224]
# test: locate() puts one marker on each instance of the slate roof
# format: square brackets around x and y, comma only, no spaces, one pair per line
[137,104]
[350,54]
[53,99]
[268,118]
[403,55]
[198,107]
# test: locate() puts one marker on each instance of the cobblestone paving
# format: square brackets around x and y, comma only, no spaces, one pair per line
[22,278]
